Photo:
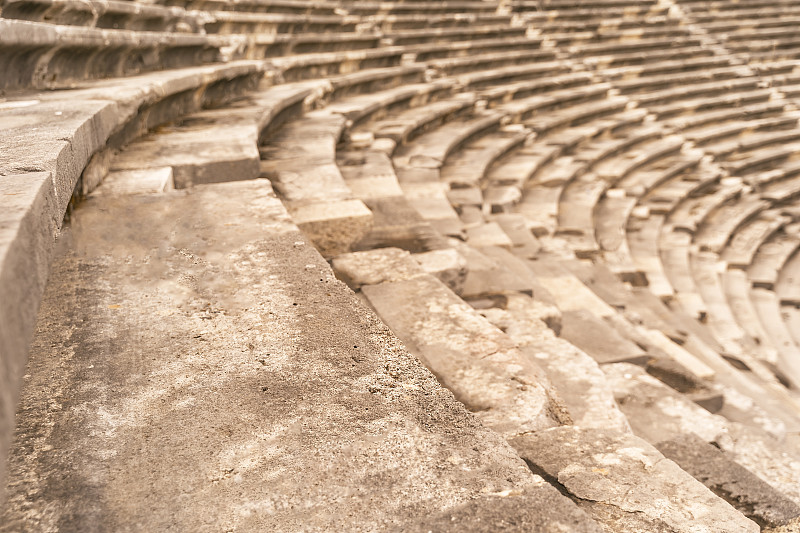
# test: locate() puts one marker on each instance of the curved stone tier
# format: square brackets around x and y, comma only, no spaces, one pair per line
[569,231]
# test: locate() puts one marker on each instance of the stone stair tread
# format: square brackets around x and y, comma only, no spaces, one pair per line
[591,464]
[471,357]
[641,396]
[206,153]
[196,413]
[751,495]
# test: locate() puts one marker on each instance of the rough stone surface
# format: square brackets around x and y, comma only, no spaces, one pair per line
[220,378]
[482,366]
[333,226]
[576,376]
[375,266]
[624,482]
[28,227]
[197,155]
[447,265]
[658,413]
[735,484]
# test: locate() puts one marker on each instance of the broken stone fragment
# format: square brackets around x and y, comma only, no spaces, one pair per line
[626,484]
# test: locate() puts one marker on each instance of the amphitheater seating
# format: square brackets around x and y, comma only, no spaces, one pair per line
[579,216]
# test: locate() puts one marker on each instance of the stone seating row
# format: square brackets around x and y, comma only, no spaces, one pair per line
[509,314]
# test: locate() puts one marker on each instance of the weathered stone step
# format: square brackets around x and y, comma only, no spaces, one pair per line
[441,35]
[712,134]
[469,166]
[767,263]
[658,413]
[625,483]
[404,125]
[745,242]
[698,105]
[504,75]
[748,112]
[732,482]
[396,223]
[706,269]
[718,226]
[68,128]
[533,12]
[481,62]
[751,142]
[104,14]
[667,67]
[481,366]
[39,55]
[737,293]
[307,178]
[239,22]
[576,376]
[522,89]
[432,149]
[207,147]
[208,413]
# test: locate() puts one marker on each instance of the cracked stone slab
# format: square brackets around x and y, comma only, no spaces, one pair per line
[729,480]
[577,377]
[626,484]
[538,508]
[658,413]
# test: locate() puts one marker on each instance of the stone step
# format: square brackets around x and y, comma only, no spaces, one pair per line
[747,112]
[699,105]
[657,413]
[522,89]
[729,480]
[395,222]
[753,141]
[404,125]
[432,149]
[470,164]
[308,180]
[442,35]
[481,62]
[736,286]
[68,128]
[206,147]
[207,414]
[68,55]
[240,22]
[713,134]
[106,15]
[767,263]
[575,375]
[375,105]
[625,483]
[481,366]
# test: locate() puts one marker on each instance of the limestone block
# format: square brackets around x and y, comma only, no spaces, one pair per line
[627,484]
[447,265]
[333,226]
[755,498]
[375,266]
[469,356]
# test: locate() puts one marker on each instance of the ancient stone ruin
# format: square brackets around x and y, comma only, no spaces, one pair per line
[357,265]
